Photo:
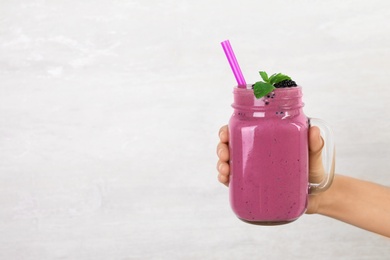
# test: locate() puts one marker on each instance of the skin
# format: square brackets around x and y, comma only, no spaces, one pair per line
[357,202]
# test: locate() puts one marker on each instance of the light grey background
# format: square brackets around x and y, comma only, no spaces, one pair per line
[109,114]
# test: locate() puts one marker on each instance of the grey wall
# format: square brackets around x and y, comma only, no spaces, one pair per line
[109,114]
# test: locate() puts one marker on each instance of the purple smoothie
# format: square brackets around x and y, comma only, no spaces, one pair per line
[268,156]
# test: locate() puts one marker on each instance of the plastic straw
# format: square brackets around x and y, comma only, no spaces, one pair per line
[233,63]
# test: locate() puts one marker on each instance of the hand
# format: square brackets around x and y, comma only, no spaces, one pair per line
[223,155]
[316,169]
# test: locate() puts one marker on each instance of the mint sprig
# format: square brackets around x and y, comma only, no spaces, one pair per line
[262,88]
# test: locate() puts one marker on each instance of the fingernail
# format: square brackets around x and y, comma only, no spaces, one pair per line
[219,152]
[220,166]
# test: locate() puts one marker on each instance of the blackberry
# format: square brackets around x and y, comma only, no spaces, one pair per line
[285,84]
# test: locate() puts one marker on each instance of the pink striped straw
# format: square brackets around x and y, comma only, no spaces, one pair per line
[233,63]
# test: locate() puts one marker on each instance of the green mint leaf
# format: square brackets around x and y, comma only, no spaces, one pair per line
[276,78]
[272,77]
[260,89]
[264,76]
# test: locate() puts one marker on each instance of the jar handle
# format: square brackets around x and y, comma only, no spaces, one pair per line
[328,156]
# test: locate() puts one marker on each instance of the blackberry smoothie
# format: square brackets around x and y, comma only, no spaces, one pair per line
[268,156]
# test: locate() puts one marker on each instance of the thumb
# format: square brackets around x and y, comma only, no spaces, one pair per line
[316,143]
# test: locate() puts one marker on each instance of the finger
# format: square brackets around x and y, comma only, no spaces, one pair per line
[223,168]
[316,143]
[224,134]
[223,179]
[223,152]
